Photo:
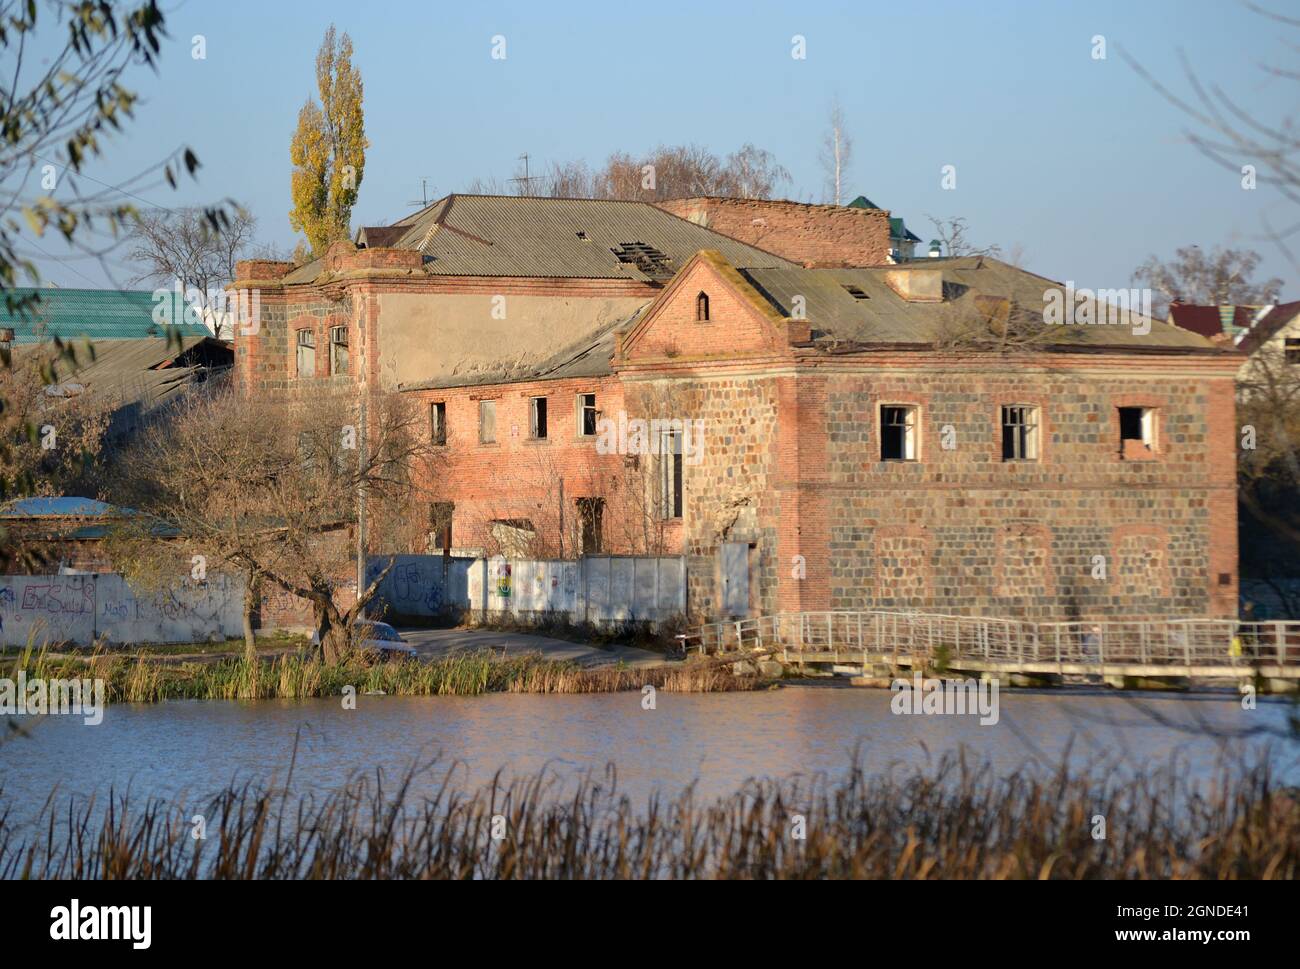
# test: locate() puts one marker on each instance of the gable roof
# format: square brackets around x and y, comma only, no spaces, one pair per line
[505,235]
[897,228]
[1267,324]
[94,314]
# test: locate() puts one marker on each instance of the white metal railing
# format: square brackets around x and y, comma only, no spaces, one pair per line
[1184,642]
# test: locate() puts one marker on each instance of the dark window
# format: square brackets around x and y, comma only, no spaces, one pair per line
[440,516]
[702,308]
[537,418]
[587,415]
[590,513]
[1292,350]
[438,422]
[1130,424]
[856,292]
[670,483]
[1019,433]
[897,433]
[338,349]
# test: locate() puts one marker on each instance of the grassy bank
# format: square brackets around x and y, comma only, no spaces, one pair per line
[947,820]
[144,679]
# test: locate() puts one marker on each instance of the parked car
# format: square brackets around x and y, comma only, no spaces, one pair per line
[378,637]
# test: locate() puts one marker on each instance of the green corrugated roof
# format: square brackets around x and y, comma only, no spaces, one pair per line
[95,314]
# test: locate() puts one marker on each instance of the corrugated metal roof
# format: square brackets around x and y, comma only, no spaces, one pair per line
[95,314]
[490,235]
[885,317]
[130,371]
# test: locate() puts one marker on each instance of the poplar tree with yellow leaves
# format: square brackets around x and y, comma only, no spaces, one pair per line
[329,148]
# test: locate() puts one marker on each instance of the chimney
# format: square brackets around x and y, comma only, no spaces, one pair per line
[916,285]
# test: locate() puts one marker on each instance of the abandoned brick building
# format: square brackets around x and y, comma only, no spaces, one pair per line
[828,429]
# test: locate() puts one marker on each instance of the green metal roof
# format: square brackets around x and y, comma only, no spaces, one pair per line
[94,314]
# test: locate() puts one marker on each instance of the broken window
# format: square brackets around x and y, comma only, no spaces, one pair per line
[537,418]
[1019,433]
[440,516]
[338,349]
[1137,424]
[670,475]
[438,422]
[587,415]
[306,353]
[898,432]
[702,308]
[487,421]
[590,513]
[1292,350]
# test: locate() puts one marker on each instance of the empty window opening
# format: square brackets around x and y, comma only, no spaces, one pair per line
[338,349]
[438,422]
[1291,348]
[897,433]
[1019,433]
[702,308]
[1137,424]
[537,418]
[590,513]
[487,421]
[670,475]
[306,353]
[587,415]
[440,517]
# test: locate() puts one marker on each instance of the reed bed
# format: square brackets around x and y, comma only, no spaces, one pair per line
[145,679]
[953,820]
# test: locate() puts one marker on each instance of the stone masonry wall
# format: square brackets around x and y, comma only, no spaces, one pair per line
[961,531]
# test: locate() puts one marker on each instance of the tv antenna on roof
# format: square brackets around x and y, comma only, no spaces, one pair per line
[424,192]
[526,181]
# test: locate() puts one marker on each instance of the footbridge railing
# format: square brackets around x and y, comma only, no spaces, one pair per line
[1185,642]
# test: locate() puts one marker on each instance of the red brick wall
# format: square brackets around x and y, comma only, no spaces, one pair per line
[823,235]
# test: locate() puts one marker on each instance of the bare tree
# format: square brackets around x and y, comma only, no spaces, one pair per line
[1260,151]
[951,233]
[668,172]
[836,156]
[190,246]
[993,324]
[1222,278]
[270,488]
[51,427]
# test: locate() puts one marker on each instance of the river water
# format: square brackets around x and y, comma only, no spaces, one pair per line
[185,750]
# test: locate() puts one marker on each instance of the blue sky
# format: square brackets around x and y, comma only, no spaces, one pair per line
[1075,161]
